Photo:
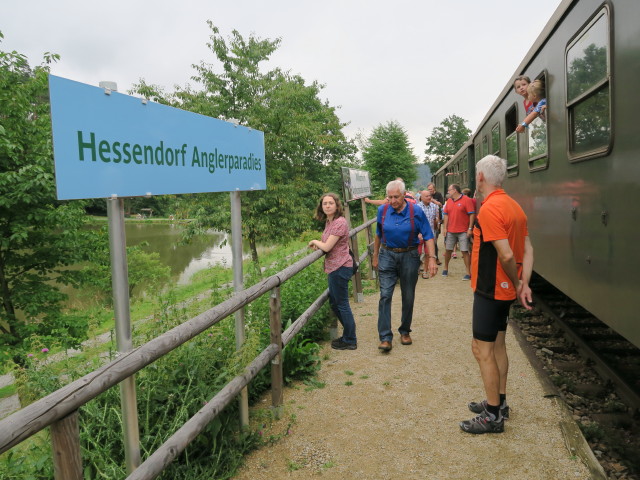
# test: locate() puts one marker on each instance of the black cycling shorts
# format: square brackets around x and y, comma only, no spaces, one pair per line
[489,317]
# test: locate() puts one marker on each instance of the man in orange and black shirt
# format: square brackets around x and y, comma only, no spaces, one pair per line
[501,267]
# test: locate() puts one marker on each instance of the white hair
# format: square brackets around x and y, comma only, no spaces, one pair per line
[493,168]
[396,185]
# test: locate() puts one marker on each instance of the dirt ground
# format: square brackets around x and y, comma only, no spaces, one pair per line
[395,416]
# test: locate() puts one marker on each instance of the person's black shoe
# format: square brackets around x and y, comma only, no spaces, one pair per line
[339,344]
[483,423]
[480,407]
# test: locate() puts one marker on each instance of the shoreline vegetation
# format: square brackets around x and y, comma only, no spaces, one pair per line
[172,389]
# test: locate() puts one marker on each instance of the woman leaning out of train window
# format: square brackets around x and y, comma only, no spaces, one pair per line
[536,95]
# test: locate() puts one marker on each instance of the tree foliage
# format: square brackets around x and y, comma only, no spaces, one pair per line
[445,140]
[144,269]
[39,236]
[304,143]
[387,155]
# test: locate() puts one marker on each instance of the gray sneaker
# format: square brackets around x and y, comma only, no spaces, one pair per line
[483,424]
[480,407]
[339,344]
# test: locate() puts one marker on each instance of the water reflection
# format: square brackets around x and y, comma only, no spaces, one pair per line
[184,260]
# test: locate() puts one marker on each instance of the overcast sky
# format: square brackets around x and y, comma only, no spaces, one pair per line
[413,61]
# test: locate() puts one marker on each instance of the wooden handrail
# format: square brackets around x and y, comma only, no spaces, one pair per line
[65,401]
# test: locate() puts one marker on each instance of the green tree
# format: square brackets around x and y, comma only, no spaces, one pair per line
[387,155]
[445,140]
[304,143]
[144,269]
[39,236]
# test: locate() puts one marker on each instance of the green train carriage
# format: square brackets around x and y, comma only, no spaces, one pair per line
[577,175]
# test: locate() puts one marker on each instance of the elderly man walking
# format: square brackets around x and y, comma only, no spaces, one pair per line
[502,262]
[396,256]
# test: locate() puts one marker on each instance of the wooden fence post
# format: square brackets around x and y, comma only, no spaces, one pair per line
[275,321]
[65,442]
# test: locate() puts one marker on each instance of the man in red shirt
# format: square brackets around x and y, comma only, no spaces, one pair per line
[459,215]
[502,263]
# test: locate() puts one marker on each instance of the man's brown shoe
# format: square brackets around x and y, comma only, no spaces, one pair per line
[405,339]
[385,346]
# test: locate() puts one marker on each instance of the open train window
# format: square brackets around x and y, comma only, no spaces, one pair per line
[495,139]
[510,124]
[588,83]
[537,131]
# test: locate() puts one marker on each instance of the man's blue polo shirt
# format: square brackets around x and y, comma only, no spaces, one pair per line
[397,226]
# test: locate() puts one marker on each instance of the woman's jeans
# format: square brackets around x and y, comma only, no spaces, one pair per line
[391,267]
[339,301]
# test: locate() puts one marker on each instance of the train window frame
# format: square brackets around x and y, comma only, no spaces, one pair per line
[534,162]
[463,168]
[495,132]
[603,85]
[510,124]
[477,152]
[485,146]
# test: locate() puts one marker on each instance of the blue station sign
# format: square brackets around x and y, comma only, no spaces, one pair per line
[108,144]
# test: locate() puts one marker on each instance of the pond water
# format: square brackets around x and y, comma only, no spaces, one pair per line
[184,260]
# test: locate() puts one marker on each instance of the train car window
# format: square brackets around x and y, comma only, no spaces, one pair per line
[495,139]
[588,89]
[510,124]
[485,147]
[477,152]
[537,136]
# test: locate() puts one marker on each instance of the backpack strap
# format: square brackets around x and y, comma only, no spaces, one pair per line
[412,234]
[384,214]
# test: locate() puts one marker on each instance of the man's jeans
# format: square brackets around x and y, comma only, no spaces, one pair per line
[391,267]
[339,301]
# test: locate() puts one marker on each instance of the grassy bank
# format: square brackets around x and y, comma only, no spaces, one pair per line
[175,387]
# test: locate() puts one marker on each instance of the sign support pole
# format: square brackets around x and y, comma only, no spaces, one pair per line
[120,287]
[238,286]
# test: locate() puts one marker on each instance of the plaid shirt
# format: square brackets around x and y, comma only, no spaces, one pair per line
[431,211]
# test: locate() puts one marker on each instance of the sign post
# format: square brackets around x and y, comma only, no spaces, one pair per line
[238,286]
[124,343]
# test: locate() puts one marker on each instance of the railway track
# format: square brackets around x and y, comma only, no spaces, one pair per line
[596,372]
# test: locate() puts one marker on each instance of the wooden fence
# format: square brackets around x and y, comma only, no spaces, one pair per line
[60,408]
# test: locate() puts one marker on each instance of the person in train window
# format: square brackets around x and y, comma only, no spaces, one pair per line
[520,86]
[537,96]
[338,266]
[502,263]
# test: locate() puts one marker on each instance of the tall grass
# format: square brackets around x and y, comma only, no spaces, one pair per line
[175,387]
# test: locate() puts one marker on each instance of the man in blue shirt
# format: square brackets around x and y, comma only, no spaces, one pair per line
[401,228]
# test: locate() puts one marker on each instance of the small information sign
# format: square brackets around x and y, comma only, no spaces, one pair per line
[106,143]
[356,184]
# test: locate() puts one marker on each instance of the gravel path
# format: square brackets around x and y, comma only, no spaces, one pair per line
[399,418]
